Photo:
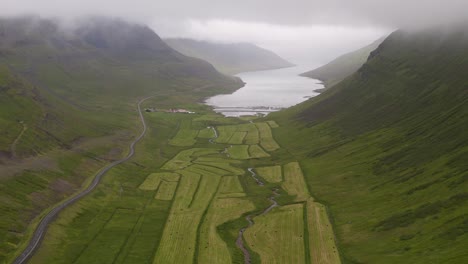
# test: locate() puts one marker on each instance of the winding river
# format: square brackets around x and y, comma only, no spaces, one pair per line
[266,91]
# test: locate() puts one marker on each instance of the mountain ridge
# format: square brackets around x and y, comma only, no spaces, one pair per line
[342,66]
[386,151]
[231,58]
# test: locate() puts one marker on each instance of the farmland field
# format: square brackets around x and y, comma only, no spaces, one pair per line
[278,237]
[225,134]
[266,137]
[294,182]
[153,180]
[256,151]
[271,173]
[166,190]
[189,206]
[237,137]
[239,152]
[212,248]
[321,238]
[184,138]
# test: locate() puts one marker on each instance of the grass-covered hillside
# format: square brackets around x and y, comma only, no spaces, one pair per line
[230,58]
[68,105]
[343,66]
[387,150]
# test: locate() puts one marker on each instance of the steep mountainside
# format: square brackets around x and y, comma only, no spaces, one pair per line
[68,105]
[230,58]
[387,150]
[343,66]
[100,63]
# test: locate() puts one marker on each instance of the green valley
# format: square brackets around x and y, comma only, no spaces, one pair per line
[193,198]
[111,151]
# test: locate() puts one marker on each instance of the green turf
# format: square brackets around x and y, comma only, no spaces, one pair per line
[152,181]
[184,138]
[322,246]
[237,137]
[271,173]
[206,133]
[239,152]
[278,237]
[294,182]
[266,137]
[252,136]
[211,247]
[166,190]
[256,151]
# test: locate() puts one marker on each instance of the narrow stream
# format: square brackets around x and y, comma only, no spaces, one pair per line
[274,203]
[240,237]
[211,140]
[254,176]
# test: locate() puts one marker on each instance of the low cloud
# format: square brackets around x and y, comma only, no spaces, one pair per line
[300,30]
[307,44]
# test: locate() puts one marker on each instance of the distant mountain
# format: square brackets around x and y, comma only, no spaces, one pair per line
[387,150]
[100,60]
[68,105]
[343,66]
[229,58]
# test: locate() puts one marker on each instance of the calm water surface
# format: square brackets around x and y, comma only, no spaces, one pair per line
[266,91]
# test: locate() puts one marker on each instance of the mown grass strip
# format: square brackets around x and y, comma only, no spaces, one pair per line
[294,183]
[230,184]
[184,138]
[178,241]
[212,169]
[256,151]
[239,152]
[216,160]
[224,166]
[278,237]
[321,238]
[211,247]
[266,137]
[237,137]
[153,180]
[181,160]
[252,137]
[225,133]
[186,191]
[166,190]
[271,174]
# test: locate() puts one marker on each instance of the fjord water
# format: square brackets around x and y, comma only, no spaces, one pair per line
[266,91]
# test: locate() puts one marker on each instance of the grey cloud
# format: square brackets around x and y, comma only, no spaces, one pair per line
[388,13]
[312,31]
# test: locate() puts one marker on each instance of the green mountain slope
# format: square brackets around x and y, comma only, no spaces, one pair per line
[230,58]
[343,66]
[99,66]
[387,150]
[68,98]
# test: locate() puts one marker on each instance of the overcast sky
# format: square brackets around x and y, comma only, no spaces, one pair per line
[303,31]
